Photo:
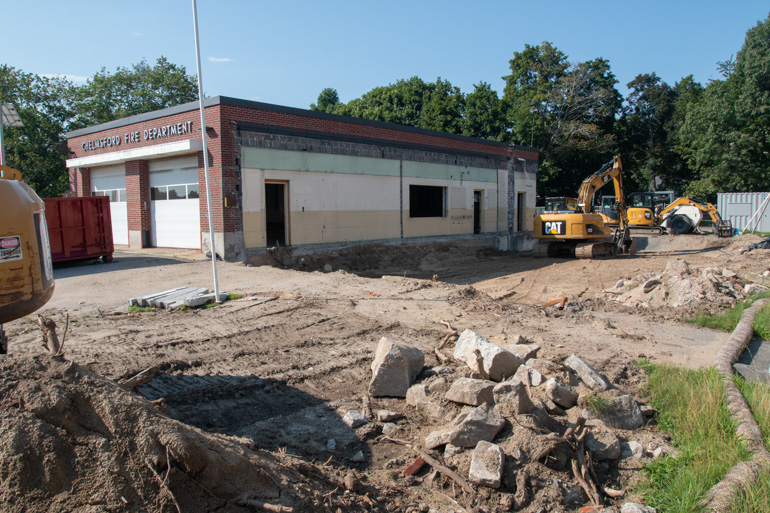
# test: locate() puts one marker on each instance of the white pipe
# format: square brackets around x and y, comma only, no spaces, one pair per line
[205,152]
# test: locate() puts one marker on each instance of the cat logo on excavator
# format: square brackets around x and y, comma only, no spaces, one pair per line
[553,228]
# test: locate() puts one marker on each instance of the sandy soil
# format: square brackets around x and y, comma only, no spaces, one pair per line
[277,372]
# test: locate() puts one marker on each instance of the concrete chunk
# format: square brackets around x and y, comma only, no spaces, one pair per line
[471,391]
[419,397]
[522,351]
[497,363]
[486,465]
[481,423]
[394,368]
[621,413]
[603,444]
[354,419]
[511,398]
[560,394]
[586,373]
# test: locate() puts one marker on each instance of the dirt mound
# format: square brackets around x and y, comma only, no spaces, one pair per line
[72,440]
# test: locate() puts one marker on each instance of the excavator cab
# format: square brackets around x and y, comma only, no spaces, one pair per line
[26,271]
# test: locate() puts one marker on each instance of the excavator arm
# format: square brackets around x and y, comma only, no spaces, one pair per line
[721,228]
[612,171]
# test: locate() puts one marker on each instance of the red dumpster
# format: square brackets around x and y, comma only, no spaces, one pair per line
[79,228]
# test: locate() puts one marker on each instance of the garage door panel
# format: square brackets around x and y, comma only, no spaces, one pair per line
[111,181]
[176,224]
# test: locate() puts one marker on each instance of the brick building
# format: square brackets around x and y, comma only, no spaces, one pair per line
[282,176]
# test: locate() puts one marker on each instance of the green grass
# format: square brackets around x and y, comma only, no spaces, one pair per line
[135,309]
[758,397]
[597,403]
[755,499]
[691,407]
[728,320]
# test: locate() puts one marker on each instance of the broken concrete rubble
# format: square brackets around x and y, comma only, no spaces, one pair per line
[522,351]
[602,443]
[497,363]
[511,398]
[527,375]
[481,423]
[473,392]
[619,413]
[561,394]
[419,397]
[487,465]
[394,368]
[631,449]
[354,419]
[586,373]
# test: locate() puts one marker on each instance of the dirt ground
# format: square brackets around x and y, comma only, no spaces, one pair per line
[276,375]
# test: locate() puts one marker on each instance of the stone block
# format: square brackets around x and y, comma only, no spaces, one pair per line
[522,351]
[620,413]
[486,465]
[603,444]
[497,363]
[561,394]
[481,423]
[586,373]
[354,419]
[473,392]
[394,368]
[511,398]
[419,397]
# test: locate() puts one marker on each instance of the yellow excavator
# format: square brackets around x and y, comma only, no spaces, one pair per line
[26,271]
[581,233]
[680,216]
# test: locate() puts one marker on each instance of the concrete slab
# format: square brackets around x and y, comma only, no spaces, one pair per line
[754,363]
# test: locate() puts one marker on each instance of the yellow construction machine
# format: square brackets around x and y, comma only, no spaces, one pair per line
[26,272]
[582,233]
[659,211]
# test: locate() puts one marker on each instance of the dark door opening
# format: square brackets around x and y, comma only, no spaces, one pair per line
[521,202]
[275,214]
[476,211]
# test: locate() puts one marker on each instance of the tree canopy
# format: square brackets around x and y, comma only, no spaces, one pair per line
[50,107]
[693,139]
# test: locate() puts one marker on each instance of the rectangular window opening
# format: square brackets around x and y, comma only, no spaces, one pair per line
[427,201]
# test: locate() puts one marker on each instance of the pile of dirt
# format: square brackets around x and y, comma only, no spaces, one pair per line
[681,285]
[73,441]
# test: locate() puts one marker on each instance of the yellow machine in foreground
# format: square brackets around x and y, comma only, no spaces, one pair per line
[582,232]
[26,273]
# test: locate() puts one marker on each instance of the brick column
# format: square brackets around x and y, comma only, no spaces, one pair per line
[138,203]
[80,181]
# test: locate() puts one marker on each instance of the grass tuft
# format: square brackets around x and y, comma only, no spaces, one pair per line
[691,406]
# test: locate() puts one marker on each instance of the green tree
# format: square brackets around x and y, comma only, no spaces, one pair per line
[413,102]
[725,136]
[647,156]
[566,111]
[130,91]
[38,149]
[484,114]
[328,100]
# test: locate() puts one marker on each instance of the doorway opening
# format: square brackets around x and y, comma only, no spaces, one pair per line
[521,205]
[477,211]
[276,219]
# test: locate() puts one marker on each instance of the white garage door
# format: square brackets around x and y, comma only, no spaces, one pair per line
[174,211]
[111,181]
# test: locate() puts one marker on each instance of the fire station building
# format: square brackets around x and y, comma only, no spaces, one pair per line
[283,176]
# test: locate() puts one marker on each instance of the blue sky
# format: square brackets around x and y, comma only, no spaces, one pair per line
[286,52]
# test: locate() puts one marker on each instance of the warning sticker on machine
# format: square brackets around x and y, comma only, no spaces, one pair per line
[10,248]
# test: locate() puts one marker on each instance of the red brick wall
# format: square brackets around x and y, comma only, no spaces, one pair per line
[80,181]
[138,195]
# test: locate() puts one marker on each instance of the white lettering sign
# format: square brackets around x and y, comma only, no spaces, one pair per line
[149,134]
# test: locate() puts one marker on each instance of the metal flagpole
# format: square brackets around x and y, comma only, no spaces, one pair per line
[205,152]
